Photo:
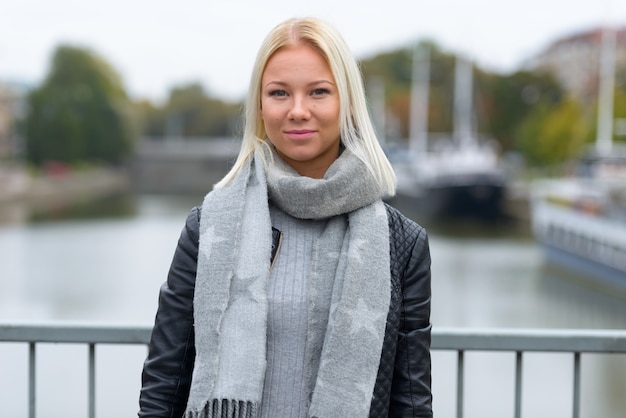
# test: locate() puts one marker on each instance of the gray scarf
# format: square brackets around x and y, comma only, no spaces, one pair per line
[230,301]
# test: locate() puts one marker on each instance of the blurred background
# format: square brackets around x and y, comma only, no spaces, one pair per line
[505,121]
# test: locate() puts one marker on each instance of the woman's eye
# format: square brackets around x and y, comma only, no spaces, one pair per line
[277,93]
[320,91]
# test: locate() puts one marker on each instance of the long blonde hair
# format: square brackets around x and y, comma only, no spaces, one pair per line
[356,129]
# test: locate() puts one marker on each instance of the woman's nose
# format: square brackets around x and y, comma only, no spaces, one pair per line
[299,108]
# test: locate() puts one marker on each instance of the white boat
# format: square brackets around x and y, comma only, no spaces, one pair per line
[455,175]
[580,220]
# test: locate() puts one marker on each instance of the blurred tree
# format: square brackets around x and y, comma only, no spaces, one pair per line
[504,101]
[193,113]
[512,109]
[80,113]
[395,69]
[551,135]
[189,112]
[150,119]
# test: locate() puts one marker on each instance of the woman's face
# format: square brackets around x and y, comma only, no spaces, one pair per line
[300,109]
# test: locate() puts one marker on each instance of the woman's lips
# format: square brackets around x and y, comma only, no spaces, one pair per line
[299,133]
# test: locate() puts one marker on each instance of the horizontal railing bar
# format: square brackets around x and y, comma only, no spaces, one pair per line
[75,333]
[518,339]
[487,339]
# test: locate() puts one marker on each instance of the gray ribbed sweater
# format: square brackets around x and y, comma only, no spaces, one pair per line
[286,391]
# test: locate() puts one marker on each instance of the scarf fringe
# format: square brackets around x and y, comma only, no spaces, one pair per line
[225,408]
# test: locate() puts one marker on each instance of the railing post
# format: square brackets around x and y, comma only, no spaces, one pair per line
[92,380]
[576,409]
[518,384]
[32,363]
[459,384]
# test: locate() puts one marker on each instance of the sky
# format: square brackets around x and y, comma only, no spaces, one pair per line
[156,45]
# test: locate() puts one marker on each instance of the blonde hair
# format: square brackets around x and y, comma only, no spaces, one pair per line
[356,130]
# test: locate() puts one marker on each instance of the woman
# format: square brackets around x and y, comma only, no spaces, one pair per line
[294,290]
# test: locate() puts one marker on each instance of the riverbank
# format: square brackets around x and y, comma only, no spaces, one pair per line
[22,192]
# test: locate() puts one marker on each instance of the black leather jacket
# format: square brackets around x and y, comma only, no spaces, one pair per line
[403,385]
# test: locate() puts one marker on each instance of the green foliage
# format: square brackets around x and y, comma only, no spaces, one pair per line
[524,111]
[189,112]
[394,69]
[552,135]
[620,110]
[80,113]
[619,106]
[150,119]
[504,101]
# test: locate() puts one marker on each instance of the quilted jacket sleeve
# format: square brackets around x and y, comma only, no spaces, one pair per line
[166,376]
[411,385]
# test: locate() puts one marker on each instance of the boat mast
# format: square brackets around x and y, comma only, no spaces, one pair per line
[463,80]
[604,138]
[418,120]
[377,93]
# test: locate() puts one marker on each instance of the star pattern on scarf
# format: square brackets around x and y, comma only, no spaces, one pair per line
[364,318]
[354,252]
[250,287]
[361,394]
[209,240]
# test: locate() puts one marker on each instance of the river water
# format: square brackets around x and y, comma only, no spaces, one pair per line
[104,263]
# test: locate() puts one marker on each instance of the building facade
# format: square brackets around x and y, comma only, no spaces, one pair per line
[575,61]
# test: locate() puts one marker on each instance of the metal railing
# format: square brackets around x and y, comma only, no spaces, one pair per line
[460,340]
[519,341]
[71,333]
